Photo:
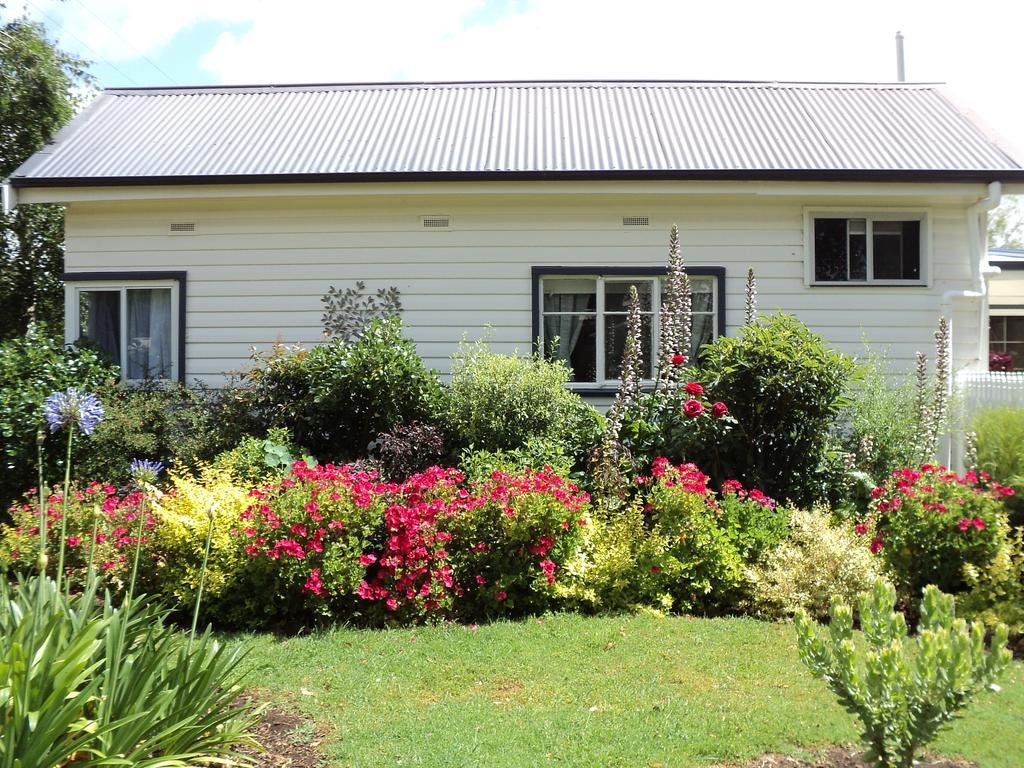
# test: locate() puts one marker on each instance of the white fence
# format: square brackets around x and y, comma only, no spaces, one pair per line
[990,389]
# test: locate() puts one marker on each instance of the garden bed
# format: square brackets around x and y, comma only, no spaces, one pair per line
[578,691]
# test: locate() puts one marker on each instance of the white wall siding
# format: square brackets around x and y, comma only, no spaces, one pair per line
[257,268]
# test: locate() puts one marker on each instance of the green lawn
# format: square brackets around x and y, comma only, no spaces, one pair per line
[576,691]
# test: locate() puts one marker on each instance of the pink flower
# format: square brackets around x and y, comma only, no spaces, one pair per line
[693,408]
[860,529]
[367,559]
[964,524]
[978,523]
[719,409]
[74,541]
[501,596]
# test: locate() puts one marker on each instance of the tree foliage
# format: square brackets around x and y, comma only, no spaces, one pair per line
[40,87]
[1006,224]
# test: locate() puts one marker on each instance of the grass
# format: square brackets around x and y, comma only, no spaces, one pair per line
[574,691]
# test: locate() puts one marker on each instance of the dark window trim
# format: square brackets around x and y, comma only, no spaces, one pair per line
[598,271]
[181,277]
[1009,265]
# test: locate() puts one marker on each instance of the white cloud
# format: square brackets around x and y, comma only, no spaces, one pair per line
[346,40]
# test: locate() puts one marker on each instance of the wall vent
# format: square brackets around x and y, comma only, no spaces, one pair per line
[436,222]
[182,227]
[636,221]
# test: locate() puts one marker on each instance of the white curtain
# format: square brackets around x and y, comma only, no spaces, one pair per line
[567,328]
[149,333]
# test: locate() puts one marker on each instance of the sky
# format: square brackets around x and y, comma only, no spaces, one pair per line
[975,50]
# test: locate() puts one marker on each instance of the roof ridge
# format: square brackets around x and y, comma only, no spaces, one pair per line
[271,87]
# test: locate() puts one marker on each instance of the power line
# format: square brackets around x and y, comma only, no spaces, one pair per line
[126,41]
[60,26]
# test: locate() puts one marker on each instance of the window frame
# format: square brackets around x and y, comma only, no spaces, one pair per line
[870,215]
[1003,311]
[76,282]
[618,274]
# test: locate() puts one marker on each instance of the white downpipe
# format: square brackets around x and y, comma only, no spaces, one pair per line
[977,243]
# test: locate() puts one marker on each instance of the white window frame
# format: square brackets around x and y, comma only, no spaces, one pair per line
[72,298]
[870,215]
[602,381]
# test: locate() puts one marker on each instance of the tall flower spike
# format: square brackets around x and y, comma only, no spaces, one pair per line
[675,314]
[632,369]
[750,314]
[940,402]
[73,407]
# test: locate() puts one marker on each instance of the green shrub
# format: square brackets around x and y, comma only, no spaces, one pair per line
[754,523]
[257,460]
[996,591]
[499,402]
[902,691]
[784,386]
[931,523]
[337,397]
[535,454]
[31,369]
[87,682]
[999,435]
[882,428]
[162,421]
[816,563]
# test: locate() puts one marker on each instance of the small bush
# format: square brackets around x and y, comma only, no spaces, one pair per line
[996,591]
[931,523]
[499,402]
[902,691]
[257,460]
[1000,440]
[31,369]
[337,397]
[536,454]
[817,563]
[407,449]
[754,522]
[170,423]
[784,386]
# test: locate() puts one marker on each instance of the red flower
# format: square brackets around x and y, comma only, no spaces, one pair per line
[678,359]
[860,529]
[876,545]
[693,388]
[964,524]
[74,541]
[693,408]
[978,523]
[719,409]
[365,560]
[655,569]
[500,596]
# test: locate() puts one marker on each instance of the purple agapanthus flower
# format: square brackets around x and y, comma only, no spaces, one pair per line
[74,407]
[145,470]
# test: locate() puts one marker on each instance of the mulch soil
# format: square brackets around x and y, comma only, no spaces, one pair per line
[843,757]
[288,742]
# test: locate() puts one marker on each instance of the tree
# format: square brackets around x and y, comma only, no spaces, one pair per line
[1006,224]
[40,87]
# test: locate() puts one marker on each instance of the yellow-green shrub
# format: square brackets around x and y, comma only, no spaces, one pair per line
[996,591]
[193,503]
[817,563]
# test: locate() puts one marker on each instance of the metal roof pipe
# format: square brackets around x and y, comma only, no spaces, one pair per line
[901,75]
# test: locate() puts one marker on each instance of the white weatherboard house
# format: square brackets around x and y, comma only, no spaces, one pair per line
[204,221]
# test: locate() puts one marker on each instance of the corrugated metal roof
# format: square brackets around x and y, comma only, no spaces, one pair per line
[539,129]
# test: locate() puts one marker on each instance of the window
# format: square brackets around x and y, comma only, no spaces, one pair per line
[867,249]
[580,317]
[1006,337]
[135,323]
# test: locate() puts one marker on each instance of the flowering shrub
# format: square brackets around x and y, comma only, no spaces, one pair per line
[700,566]
[929,523]
[512,538]
[755,523]
[118,519]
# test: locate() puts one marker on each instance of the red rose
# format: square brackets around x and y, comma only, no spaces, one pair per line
[693,408]
[693,388]
[500,596]
[678,360]
[964,524]
[719,409]
[860,529]
[876,545]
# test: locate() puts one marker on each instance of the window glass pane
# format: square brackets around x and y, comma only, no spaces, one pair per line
[858,249]
[897,250]
[996,329]
[570,295]
[830,249]
[615,343]
[99,322]
[703,298]
[149,333]
[703,332]
[1014,328]
[616,294]
[573,338]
